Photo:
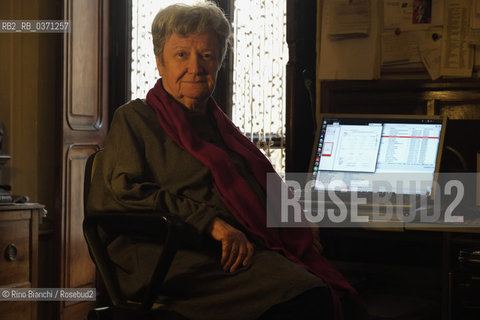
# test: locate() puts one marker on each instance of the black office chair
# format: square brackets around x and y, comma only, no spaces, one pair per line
[163,228]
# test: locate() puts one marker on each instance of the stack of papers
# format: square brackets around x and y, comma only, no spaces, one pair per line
[349,40]
[349,19]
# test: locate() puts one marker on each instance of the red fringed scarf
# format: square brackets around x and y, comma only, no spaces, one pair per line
[294,243]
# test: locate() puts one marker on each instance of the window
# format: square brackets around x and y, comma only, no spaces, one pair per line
[259,58]
[144,71]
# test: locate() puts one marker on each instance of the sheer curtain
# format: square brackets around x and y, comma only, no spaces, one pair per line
[260,54]
[260,57]
[144,71]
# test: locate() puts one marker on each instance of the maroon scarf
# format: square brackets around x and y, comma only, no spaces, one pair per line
[294,243]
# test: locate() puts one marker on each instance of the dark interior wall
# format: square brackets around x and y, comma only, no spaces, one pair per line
[301,75]
[30,101]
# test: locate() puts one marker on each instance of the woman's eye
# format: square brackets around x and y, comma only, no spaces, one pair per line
[208,56]
[181,54]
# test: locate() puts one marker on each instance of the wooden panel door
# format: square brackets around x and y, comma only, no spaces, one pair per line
[83,129]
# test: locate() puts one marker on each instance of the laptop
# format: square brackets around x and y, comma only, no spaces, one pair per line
[376,160]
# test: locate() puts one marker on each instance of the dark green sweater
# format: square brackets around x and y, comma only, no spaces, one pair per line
[142,169]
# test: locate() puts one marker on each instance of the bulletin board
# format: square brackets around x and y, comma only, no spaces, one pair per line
[364,39]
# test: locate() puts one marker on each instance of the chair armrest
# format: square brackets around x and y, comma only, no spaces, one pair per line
[164,228]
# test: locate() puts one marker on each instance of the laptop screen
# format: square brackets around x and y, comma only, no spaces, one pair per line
[377,153]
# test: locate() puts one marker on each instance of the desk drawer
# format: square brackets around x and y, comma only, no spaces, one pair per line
[15,251]
[12,310]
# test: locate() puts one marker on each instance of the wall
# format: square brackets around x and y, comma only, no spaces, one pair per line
[30,97]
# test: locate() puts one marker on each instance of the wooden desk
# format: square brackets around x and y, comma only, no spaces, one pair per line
[418,257]
[19,260]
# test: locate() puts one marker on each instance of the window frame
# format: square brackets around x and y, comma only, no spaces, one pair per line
[120,29]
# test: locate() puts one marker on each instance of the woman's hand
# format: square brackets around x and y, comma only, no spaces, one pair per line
[236,249]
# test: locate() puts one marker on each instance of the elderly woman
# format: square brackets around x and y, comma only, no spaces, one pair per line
[177,152]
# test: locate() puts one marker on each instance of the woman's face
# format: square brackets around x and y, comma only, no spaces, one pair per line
[189,68]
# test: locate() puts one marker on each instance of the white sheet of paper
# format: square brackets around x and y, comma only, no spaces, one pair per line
[349,18]
[457,53]
[431,58]
[357,58]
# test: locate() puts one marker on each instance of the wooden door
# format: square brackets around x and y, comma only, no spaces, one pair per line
[83,129]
